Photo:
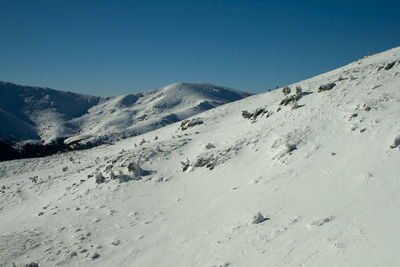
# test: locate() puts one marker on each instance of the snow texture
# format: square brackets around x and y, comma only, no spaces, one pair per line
[331,191]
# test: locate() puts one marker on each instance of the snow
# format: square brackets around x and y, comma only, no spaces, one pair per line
[47,115]
[39,113]
[325,180]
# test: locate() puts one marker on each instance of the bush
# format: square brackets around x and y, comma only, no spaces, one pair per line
[287,100]
[185,165]
[190,123]
[100,178]
[258,218]
[286,90]
[390,65]
[253,116]
[299,90]
[326,87]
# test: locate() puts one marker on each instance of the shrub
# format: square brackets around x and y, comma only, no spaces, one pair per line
[326,87]
[100,178]
[286,90]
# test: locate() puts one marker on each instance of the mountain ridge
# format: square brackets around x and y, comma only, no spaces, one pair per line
[48,116]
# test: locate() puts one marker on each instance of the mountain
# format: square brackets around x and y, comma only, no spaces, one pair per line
[310,178]
[34,113]
[135,114]
[45,116]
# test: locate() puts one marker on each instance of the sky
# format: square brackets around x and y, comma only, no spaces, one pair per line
[110,48]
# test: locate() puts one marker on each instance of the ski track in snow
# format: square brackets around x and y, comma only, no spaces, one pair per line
[324,173]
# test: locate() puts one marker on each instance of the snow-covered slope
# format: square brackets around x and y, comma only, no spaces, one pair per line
[33,113]
[322,170]
[129,115]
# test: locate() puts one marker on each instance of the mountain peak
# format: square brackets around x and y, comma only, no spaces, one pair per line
[51,115]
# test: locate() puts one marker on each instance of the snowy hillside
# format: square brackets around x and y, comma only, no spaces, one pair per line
[34,113]
[310,178]
[46,115]
[129,115]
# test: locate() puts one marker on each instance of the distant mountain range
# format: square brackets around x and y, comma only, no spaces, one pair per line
[43,117]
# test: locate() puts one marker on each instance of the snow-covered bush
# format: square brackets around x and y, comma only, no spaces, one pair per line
[390,65]
[326,87]
[259,218]
[95,255]
[209,146]
[100,178]
[289,99]
[286,90]
[132,166]
[253,116]
[185,165]
[299,90]
[206,160]
[136,170]
[190,123]
[246,114]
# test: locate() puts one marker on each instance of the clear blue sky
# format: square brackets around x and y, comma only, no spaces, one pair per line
[119,47]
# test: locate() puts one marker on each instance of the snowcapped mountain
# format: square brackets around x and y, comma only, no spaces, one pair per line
[305,176]
[34,113]
[46,115]
[129,115]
